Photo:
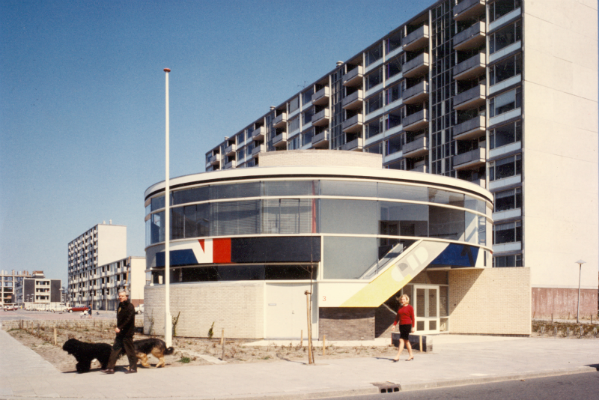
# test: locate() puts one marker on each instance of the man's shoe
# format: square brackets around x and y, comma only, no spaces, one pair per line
[108,371]
[131,371]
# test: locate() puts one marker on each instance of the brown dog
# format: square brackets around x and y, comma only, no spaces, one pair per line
[154,346]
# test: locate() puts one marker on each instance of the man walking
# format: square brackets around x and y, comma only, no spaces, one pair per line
[124,339]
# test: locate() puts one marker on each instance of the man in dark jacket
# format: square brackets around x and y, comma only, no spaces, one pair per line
[124,339]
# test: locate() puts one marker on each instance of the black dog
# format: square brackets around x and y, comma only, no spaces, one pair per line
[84,353]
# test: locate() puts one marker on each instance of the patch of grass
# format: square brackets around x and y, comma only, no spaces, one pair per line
[184,360]
[266,358]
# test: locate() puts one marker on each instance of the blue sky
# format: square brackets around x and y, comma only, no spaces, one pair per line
[82,100]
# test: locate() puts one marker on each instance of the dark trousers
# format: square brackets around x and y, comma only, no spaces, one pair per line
[123,343]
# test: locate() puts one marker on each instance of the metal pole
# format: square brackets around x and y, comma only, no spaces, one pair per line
[168,320]
[578,293]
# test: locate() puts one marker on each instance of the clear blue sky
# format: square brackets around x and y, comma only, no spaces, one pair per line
[82,100]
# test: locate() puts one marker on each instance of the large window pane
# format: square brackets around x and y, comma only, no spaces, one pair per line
[235,218]
[403,219]
[290,188]
[402,192]
[348,257]
[349,188]
[287,216]
[190,195]
[348,216]
[235,190]
[446,223]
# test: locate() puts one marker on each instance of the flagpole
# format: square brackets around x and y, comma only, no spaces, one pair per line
[168,321]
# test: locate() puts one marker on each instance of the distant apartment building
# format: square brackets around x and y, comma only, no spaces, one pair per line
[502,94]
[38,290]
[9,281]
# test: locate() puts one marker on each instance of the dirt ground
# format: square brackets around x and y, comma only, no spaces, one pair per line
[188,351]
[198,351]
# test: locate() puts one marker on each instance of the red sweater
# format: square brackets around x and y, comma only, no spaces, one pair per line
[406,315]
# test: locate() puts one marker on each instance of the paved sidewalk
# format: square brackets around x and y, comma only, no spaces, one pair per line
[456,360]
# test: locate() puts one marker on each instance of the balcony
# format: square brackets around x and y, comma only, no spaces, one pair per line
[416,121]
[353,77]
[417,66]
[230,164]
[321,140]
[416,94]
[355,145]
[321,118]
[416,148]
[468,9]
[231,149]
[258,133]
[420,168]
[470,68]
[416,39]
[258,149]
[470,129]
[470,159]
[470,38]
[321,98]
[280,120]
[353,101]
[471,98]
[280,140]
[353,124]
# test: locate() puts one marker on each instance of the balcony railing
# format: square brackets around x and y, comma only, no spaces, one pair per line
[469,129]
[353,77]
[468,8]
[353,124]
[470,68]
[280,139]
[470,38]
[280,120]
[229,150]
[419,145]
[353,101]
[321,140]
[420,168]
[258,149]
[416,93]
[321,97]
[230,164]
[416,120]
[356,145]
[321,118]
[416,39]
[258,133]
[470,159]
[471,98]
[416,66]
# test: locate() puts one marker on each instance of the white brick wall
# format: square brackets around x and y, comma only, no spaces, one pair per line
[238,307]
[490,301]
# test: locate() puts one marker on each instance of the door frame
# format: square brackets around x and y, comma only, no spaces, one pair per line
[426,320]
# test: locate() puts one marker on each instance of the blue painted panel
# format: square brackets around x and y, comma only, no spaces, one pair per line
[457,255]
[177,257]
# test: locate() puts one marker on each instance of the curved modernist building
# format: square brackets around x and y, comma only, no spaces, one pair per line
[247,244]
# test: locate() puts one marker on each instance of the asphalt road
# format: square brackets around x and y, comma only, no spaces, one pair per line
[582,386]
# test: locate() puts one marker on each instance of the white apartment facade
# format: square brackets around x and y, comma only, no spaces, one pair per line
[9,280]
[484,91]
[88,254]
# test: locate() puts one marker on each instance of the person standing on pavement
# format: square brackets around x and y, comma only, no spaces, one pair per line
[124,339]
[406,317]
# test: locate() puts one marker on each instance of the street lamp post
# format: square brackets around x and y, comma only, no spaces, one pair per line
[168,322]
[579,290]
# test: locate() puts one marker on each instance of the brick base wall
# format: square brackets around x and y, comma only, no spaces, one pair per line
[490,301]
[347,323]
[237,307]
[559,303]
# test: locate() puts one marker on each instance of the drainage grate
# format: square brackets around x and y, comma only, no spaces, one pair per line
[387,387]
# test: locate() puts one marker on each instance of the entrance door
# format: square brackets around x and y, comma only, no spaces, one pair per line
[427,305]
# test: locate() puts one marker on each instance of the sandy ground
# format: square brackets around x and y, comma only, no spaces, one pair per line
[188,351]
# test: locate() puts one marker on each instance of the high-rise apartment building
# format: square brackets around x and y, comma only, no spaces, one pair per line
[499,93]
[97,247]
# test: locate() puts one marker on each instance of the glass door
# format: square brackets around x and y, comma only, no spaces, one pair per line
[427,305]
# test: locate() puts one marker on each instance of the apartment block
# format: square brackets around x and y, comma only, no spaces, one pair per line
[97,247]
[38,290]
[482,91]
[8,285]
